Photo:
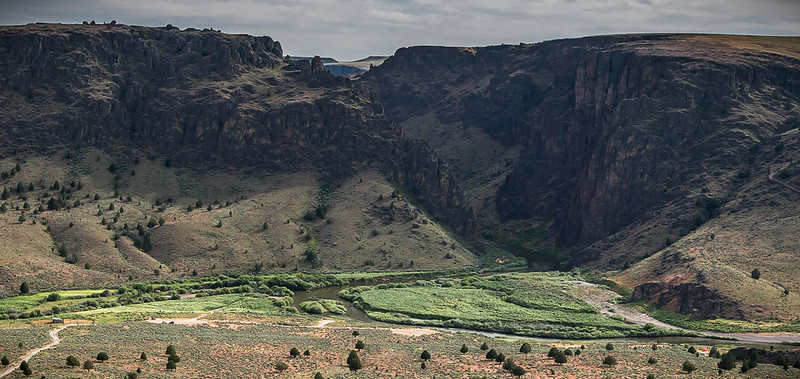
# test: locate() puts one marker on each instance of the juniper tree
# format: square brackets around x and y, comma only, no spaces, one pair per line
[353,361]
[464,349]
[5,361]
[26,369]
[688,366]
[525,348]
[88,365]
[72,361]
[425,355]
[294,352]
[560,357]
[491,354]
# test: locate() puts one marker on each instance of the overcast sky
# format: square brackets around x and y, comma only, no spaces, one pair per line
[352,29]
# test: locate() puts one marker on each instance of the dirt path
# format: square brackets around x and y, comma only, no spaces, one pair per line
[605,301]
[771,177]
[53,335]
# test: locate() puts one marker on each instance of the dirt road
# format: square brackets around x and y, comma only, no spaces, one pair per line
[53,335]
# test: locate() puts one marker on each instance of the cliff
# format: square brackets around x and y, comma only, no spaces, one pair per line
[626,143]
[204,98]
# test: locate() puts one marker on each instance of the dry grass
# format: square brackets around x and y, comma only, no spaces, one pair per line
[189,241]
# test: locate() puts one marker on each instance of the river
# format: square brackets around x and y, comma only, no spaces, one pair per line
[755,340]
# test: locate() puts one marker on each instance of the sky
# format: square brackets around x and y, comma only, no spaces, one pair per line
[353,29]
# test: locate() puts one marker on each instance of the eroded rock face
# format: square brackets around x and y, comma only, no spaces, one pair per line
[691,298]
[611,128]
[204,97]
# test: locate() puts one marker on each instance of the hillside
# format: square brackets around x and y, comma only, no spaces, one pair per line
[612,149]
[230,158]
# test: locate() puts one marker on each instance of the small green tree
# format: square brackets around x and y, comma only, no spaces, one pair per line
[780,360]
[171,365]
[500,358]
[691,350]
[484,346]
[353,361]
[175,358]
[88,365]
[518,371]
[508,364]
[525,348]
[560,357]
[359,345]
[170,350]
[131,375]
[728,362]
[294,352]
[756,274]
[464,349]
[714,353]
[307,353]
[355,333]
[72,361]
[26,369]
[609,346]
[318,376]
[24,288]
[654,347]
[102,356]
[143,356]
[609,360]
[5,361]
[425,355]
[552,352]
[688,366]
[281,366]
[796,364]
[652,360]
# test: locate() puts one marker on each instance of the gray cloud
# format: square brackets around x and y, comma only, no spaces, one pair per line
[350,29]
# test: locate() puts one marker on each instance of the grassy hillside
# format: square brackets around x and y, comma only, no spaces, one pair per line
[201,222]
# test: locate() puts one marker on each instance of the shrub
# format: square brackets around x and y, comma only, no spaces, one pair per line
[756,274]
[491,355]
[102,356]
[609,346]
[728,362]
[609,360]
[425,355]
[353,361]
[525,348]
[652,360]
[88,365]
[464,349]
[560,357]
[72,361]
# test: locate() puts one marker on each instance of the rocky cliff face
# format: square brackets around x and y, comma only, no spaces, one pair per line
[627,144]
[204,97]
[611,127]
